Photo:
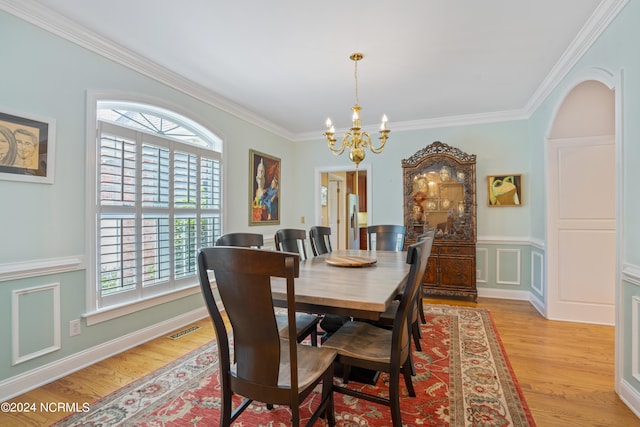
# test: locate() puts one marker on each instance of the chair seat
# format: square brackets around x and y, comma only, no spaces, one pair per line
[362,341]
[312,363]
[306,324]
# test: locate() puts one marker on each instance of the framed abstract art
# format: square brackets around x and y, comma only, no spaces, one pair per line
[264,194]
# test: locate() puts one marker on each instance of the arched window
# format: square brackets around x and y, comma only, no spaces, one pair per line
[158,198]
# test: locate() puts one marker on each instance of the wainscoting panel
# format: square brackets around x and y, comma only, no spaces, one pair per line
[35,322]
[482,265]
[537,273]
[508,266]
[635,341]
[586,285]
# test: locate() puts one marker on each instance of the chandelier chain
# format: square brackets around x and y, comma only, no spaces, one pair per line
[355,75]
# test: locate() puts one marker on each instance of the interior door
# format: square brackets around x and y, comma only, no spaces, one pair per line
[353,226]
[582,230]
[333,206]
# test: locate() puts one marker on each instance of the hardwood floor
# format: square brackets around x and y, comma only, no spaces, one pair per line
[566,370]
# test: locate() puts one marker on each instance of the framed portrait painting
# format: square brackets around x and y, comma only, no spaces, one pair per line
[505,190]
[264,194]
[26,148]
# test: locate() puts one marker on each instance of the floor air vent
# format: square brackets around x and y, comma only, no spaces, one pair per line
[184,332]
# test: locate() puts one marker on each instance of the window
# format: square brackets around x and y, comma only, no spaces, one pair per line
[158,198]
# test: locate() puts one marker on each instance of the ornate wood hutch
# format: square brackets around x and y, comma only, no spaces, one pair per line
[439,184]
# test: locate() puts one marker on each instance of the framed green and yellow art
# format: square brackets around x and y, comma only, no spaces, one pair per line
[505,190]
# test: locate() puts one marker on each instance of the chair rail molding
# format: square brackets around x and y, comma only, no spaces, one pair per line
[40,267]
[631,273]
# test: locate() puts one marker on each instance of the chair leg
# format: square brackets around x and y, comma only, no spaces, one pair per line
[295,416]
[327,392]
[410,362]
[346,371]
[415,331]
[314,337]
[394,397]
[421,309]
[225,409]
[406,372]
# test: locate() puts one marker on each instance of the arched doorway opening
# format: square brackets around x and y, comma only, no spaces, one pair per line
[582,204]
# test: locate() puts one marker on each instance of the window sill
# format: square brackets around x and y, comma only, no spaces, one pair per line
[109,313]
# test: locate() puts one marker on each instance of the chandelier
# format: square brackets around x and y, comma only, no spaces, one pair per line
[355,138]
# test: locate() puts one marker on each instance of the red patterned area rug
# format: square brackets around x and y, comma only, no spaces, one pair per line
[463,379]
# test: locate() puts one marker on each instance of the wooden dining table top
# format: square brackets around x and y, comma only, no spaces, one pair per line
[349,290]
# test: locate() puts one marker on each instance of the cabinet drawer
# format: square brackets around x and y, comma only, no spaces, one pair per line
[458,273]
[457,250]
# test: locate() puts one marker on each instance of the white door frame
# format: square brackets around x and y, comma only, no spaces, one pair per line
[336,210]
[613,82]
[347,168]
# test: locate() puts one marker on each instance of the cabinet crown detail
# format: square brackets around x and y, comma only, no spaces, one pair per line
[438,148]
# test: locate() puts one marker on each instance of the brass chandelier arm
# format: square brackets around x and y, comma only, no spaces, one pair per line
[331,141]
[383,139]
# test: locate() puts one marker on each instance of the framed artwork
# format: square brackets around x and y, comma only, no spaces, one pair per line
[264,194]
[26,148]
[505,190]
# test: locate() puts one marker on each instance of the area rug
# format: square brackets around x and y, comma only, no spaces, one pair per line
[463,378]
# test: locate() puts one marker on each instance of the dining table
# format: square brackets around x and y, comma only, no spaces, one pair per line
[354,283]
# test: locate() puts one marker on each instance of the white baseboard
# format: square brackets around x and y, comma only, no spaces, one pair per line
[538,305]
[504,294]
[630,397]
[40,376]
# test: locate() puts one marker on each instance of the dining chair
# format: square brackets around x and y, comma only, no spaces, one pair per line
[431,232]
[387,318]
[364,345]
[320,238]
[387,237]
[245,240]
[265,368]
[292,240]
[306,324]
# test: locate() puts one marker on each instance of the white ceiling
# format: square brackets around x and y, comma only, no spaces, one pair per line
[285,63]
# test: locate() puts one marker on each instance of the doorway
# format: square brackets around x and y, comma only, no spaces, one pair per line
[335,215]
[332,210]
[582,207]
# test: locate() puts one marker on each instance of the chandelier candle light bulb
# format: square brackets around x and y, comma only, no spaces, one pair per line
[354,138]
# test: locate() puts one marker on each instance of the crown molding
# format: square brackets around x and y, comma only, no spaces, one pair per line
[57,24]
[606,11]
[436,123]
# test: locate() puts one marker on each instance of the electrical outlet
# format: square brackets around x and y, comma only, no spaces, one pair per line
[74,327]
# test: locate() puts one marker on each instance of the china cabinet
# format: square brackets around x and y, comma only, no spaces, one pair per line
[439,184]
